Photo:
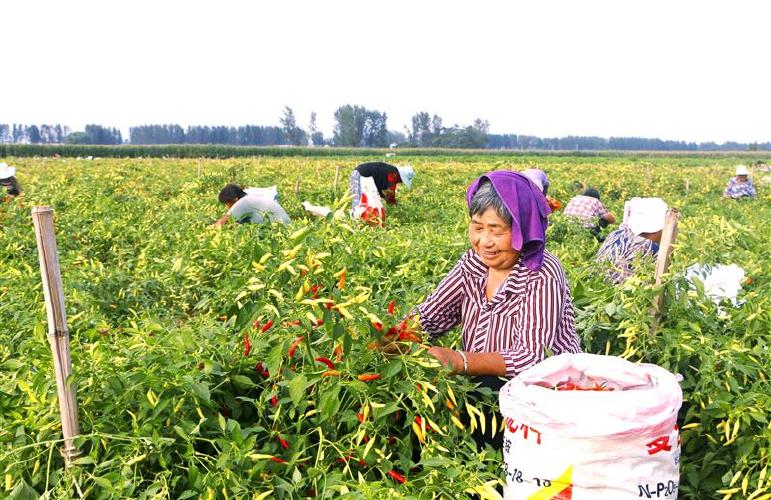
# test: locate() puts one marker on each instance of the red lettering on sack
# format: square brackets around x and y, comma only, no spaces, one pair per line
[526,430]
[659,444]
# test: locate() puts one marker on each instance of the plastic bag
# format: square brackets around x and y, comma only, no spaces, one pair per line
[370,207]
[608,432]
[316,209]
[720,281]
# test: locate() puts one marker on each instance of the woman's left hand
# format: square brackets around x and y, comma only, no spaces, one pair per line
[448,357]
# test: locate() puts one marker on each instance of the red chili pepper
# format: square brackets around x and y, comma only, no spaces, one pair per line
[318,322]
[419,421]
[368,377]
[247,344]
[284,443]
[266,326]
[378,326]
[296,343]
[278,460]
[273,401]
[329,305]
[260,368]
[360,417]
[341,281]
[396,476]
[391,306]
[337,352]
[326,361]
[294,322]
[256,324]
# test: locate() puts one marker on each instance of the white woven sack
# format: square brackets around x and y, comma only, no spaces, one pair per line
[370,194]
[268,192]
[581,445]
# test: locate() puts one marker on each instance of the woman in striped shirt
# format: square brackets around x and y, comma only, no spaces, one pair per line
[509,295]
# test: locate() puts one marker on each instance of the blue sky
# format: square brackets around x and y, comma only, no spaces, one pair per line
[684,70]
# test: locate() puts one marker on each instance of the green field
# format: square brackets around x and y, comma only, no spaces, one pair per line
[158,307]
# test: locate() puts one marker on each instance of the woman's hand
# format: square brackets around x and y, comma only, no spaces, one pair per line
[449,358]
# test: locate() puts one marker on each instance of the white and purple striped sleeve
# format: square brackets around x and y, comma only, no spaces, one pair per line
[441,311]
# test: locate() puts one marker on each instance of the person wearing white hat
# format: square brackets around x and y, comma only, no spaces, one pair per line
[8,182]
[386,177]
[638,235]
[740,186]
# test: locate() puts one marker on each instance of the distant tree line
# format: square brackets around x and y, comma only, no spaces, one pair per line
[357,127]
[247,135]
[512,141]
[32,134]
[58,134]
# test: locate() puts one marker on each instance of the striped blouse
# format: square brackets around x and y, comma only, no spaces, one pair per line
[532,310]
[620,249]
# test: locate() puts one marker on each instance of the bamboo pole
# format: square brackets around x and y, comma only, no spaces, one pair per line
[58,334]
[663,259]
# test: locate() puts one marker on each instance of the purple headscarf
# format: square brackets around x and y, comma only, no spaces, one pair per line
[528,209]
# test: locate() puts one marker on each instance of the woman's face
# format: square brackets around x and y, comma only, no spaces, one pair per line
[490,238]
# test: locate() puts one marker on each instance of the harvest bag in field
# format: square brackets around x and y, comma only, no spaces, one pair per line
[584,426]
[270,193]
[370,207]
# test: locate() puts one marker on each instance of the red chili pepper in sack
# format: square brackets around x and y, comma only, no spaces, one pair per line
[247,344]
[296,343]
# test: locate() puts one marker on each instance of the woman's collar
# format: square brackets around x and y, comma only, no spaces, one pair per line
[515,281]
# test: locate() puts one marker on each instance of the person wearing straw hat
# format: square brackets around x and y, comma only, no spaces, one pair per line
[740,186]
[8,182]
[385,176]
[253,205]
[638,236]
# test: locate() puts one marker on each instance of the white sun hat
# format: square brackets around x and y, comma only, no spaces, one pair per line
[742,170]
[645,215]
[6,171]
[406,173]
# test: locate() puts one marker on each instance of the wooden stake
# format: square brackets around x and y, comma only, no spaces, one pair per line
[337,178]
[58,335]
[663,259]
[297,187]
